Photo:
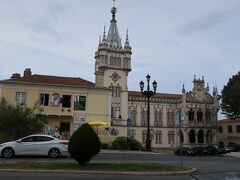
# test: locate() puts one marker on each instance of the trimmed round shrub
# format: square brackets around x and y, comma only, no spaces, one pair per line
[123,143]
[84,144]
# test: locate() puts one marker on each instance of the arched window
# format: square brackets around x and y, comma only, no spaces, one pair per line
[133,117]
[208,115]
[144,136]
[158,137]
[190,115]
[200,136]
[199,115]
[170,119]
[171,137]
[115,112]
[158,118]
[192,136]
[118,91]
[112,88]
[144,118]
[209,137]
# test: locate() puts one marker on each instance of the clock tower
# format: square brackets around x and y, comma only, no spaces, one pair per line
[112,65]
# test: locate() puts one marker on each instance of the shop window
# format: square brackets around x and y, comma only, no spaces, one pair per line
[66,101]
[44,99]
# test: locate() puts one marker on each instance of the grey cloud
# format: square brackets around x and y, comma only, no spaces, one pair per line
[43,26]
[207,21]
[57,9]
[46,25]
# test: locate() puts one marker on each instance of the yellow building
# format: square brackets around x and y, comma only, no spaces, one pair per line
[229,131]
[68,102]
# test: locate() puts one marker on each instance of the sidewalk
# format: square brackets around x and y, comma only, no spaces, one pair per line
[109,151]
[233,154]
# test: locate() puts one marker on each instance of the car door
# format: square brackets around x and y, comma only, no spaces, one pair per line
[43,144]
[24,146]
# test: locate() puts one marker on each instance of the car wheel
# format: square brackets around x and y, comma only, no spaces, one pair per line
[54,153]
[8,153]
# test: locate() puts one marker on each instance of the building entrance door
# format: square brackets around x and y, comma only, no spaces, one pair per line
[65,129]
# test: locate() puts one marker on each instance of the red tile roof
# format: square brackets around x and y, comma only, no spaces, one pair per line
[161,95]
[52,80]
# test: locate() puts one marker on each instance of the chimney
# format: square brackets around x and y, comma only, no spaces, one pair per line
[27,72]
[15,75]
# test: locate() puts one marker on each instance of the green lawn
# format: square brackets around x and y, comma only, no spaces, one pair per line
[128,167]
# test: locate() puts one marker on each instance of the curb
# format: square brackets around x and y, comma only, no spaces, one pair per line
[192,170]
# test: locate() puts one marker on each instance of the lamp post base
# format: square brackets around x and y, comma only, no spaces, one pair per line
[148,145]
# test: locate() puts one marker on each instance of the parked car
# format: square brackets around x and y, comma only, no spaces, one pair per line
[211,150]
[221,150]
[185,151]
[43,145]
[236,147]
[199,151]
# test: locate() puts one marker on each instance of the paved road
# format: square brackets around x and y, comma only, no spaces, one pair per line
[203,164]
[68,176]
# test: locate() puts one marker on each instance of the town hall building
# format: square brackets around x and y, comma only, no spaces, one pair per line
[68,102]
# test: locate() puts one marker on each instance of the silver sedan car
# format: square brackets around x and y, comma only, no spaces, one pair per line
[42,145]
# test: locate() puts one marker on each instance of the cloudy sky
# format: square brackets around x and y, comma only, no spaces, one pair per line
[171,39]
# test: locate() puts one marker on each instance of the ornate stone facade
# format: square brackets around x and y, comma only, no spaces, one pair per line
[129,109]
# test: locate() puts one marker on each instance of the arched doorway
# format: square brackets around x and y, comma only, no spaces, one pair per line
[192,136]
[209,137]
[200,136]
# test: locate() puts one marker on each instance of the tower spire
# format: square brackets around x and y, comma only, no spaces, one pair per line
[104,40]
[127,45]
[113,37]
[183,89]
[100,39]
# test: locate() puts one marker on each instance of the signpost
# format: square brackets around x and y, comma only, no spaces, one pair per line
[180,119]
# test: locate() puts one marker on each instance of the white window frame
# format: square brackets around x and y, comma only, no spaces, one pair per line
[21,98]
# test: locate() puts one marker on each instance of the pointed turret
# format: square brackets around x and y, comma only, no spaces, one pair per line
[113,37]
[100,40]
[104,40]
[127,44]
[207,88]
[183,89]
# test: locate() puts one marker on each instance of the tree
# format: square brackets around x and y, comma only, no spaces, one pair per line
[231,97]
[18,121]
[84,144]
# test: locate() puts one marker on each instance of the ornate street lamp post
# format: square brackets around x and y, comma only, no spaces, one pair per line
[148,93]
